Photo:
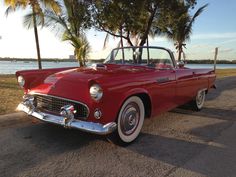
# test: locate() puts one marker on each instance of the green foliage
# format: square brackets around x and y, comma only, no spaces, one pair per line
[70,25]
[80,44]
[130,20]
[135,20]
[37,6]
[176,23]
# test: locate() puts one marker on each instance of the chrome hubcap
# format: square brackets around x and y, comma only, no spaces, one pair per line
[200,98]
[130,118]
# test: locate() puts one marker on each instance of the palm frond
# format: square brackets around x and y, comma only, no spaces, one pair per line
[54,5]
[9,10]
[28,21]
[12,8]
[197,13]
[15,4]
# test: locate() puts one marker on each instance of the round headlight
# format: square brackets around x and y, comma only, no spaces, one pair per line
[96,92]
[21,81]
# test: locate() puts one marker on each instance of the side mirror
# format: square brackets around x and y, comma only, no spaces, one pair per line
[180,64]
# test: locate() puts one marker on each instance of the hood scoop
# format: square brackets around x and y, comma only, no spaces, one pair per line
[97,66]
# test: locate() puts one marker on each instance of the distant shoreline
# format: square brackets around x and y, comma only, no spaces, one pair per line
[205,61]
[35,60]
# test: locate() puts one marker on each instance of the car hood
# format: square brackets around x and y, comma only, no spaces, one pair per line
[87,74]
[78,80]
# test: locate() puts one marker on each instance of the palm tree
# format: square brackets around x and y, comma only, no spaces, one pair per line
[36,11]
[81,46]
[178,26]
[70,25]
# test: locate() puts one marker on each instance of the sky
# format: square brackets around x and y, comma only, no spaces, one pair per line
[215,27]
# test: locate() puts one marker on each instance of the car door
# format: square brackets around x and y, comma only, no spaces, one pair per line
[165,90]
[186,85]
[164,80]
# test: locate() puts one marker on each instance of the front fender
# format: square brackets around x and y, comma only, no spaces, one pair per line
[36,77]
[113,101]
[135,91]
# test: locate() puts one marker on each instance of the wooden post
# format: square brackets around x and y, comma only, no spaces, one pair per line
[215,58]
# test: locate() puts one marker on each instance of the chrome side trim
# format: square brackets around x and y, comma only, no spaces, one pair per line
[66,99]
[90,127]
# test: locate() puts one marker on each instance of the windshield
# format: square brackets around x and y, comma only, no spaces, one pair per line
[152,56]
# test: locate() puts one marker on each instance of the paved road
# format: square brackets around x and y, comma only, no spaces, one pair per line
[178,143]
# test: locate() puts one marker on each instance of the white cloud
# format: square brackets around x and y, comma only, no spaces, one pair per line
[214,36]
[228,41]
[227,50]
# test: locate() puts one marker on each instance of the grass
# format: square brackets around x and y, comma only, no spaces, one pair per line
[11,94]
[225,72]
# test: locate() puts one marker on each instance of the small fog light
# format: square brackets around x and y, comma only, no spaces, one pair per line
[97,114]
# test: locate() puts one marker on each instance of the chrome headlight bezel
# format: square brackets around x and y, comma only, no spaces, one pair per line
[96,92]
[21,81]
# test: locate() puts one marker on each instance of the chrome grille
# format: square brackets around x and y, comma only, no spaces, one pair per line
[53,105]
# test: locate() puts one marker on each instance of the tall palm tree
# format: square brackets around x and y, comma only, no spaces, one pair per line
[179,26]
[36,11]
[70,25]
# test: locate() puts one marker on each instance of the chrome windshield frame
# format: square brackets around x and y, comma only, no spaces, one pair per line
[111,55]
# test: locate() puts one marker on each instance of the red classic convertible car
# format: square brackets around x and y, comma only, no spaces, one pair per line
[113,98]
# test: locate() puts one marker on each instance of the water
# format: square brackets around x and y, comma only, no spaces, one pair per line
[7,67]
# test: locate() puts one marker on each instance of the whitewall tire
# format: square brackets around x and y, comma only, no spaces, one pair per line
[129,122]
[199,100]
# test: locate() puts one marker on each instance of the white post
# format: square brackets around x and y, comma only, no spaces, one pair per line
[215,58]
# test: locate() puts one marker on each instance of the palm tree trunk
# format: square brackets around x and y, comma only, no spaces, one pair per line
[148,53]
[37,39]
[81,64]
[122,44]
[76,53]
[180,52]
[148,26]
[179,56]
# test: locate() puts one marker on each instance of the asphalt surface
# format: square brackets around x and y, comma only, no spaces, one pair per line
[178,143]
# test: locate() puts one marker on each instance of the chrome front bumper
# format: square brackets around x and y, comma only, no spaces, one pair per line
[91,127]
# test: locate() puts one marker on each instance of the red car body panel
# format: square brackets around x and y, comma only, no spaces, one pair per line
[166,89]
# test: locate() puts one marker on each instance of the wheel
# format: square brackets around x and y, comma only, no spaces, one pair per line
[129,122]
[199,101]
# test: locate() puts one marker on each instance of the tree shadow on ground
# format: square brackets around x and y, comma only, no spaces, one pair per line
[42,141]
[223,84]
[176,152]
[210,132]
[222,114]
